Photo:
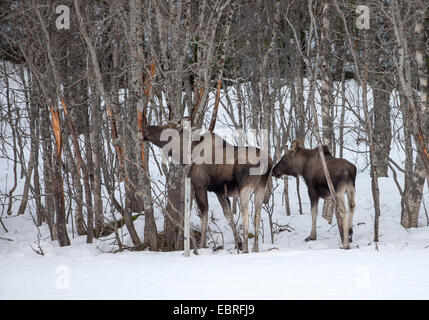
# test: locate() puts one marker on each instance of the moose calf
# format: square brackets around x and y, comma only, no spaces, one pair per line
[299,161]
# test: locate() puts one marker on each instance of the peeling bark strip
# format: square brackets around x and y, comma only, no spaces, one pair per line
[114,133]
[419,137]
[148,88]
[57,130]
[425,151]
[142,118]
[198,96]
[216,107]
[57,182]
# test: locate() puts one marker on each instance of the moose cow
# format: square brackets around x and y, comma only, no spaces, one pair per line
[299,161]
[229,178]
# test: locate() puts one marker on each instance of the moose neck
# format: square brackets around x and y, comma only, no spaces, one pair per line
[300,161]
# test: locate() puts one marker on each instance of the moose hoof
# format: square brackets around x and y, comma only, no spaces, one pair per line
[351,235]
[310,238]
[239,245]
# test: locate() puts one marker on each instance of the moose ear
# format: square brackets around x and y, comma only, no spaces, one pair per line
[298,143]
[294,145]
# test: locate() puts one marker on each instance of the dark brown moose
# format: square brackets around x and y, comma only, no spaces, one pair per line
[231,177]
[299,161]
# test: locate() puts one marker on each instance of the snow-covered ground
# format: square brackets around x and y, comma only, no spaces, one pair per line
[397,268]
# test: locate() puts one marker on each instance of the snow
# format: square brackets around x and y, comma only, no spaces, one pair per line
[80,273]
[289,274]
[396,268]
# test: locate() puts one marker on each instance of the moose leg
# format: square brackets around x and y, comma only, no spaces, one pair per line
[314,199]
[202,202]
[245,194]
[352,205]
[345,218]
[259,198]
[226,207]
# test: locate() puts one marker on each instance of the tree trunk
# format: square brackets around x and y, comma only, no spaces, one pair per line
[32,115]
[174,210]
[77,186]
[414,179]
[381,125]
[150,231]
[57,185]
[327,97]
[96,143]
[47,165]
